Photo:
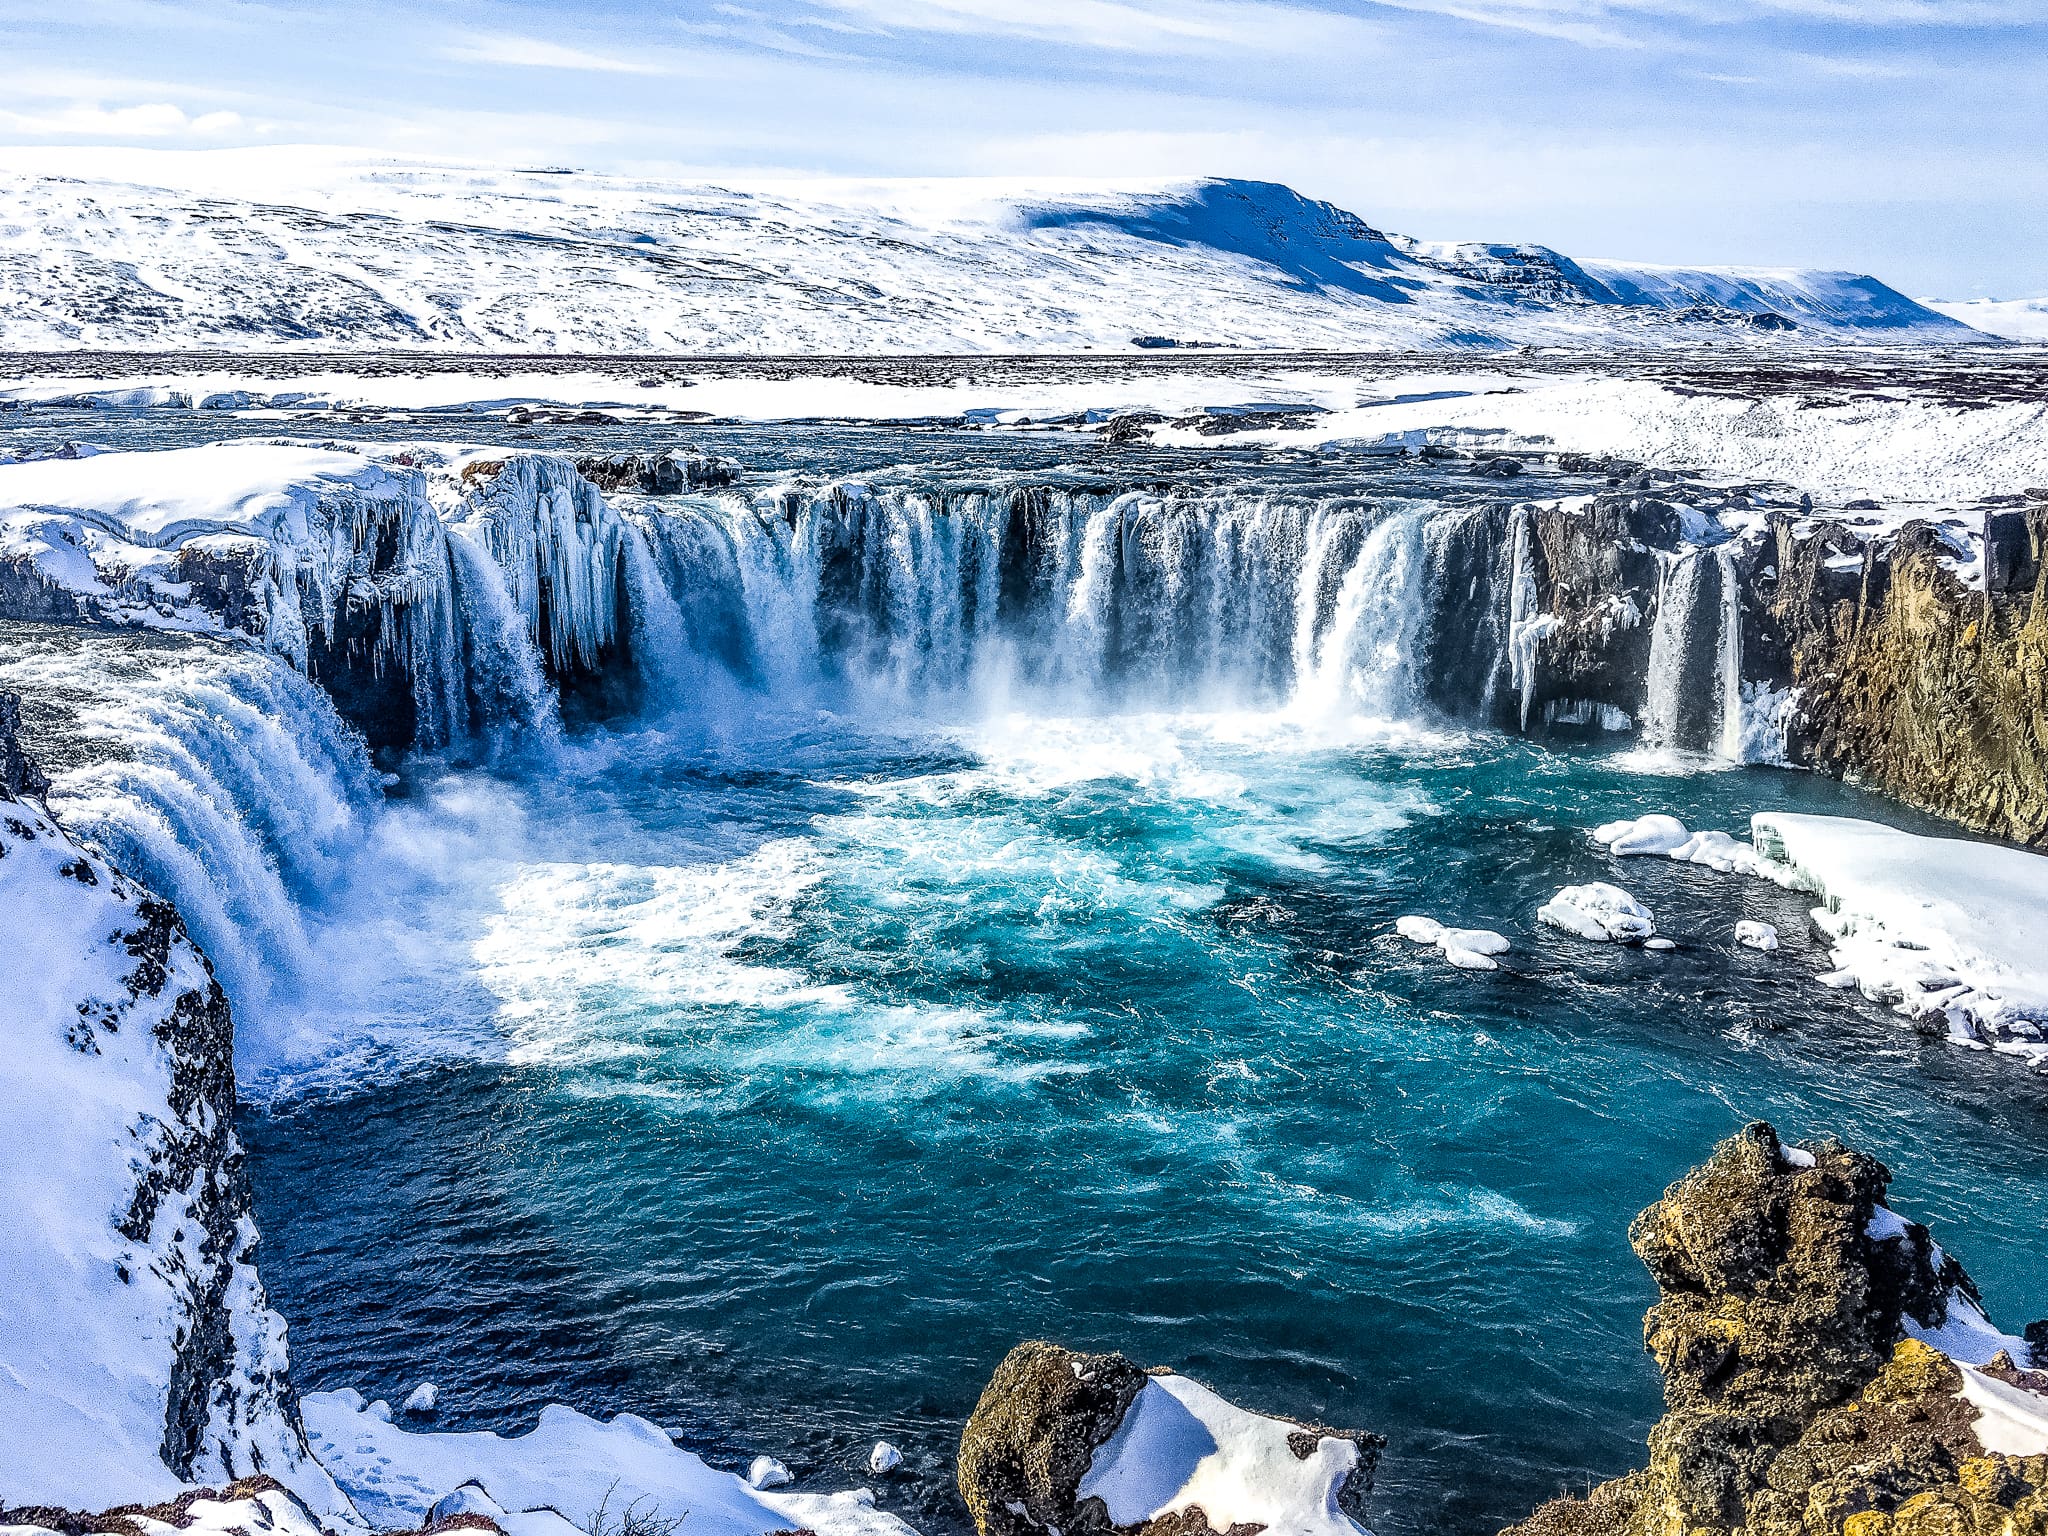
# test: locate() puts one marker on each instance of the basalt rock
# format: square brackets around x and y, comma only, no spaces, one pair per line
[1915,684]
[1797,1401]
[673,473]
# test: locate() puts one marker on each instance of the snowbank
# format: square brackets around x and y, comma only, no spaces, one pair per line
[1940,927]
[1667,835]
[137,1350]
[568,1464]
[1180,1447]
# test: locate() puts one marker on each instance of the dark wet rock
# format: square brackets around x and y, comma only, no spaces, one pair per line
[1127,427]
[1033,1434]
[1501,468]
[19,774]
[1796,1402]
[675,472]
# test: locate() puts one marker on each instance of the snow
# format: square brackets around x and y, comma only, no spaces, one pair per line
[1756,935]
[1896,447]
[767,1472]
[423,1399]
[1644,835]
[1469,949]
[1604,913]
[1181,1446]
[2014,319]
[884,1459]
[377,254]
[1943,928]
[2010,1421]
[1657,833]
[568,1464]
[94,1317]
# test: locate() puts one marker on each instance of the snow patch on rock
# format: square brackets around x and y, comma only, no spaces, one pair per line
[1182,1447]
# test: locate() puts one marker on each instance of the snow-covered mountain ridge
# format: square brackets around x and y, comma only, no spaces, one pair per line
[319,250]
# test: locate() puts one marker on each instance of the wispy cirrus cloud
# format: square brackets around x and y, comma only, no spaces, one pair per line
[1203,27]
[544,53]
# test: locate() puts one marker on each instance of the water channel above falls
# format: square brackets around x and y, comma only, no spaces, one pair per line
[770,1066]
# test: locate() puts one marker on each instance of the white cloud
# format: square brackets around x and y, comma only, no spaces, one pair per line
[145,120]
[540,53]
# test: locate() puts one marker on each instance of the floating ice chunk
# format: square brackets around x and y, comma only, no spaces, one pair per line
[884,1459]
[1604,913]
[423,1399]
[1468,949]
[1471,949]
[767,1472]
[1756,935]
[1420,930]
[1644,835]
[1661,945]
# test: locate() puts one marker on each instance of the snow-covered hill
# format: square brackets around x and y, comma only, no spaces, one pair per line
[2014,319]
[319,250]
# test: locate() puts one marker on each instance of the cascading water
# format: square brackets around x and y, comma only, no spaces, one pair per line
[1729,656]
[925,596]
[1694,683]
[221,778]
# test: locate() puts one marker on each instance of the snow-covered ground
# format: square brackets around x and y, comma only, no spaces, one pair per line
[553,1479]
[2014,319]
[1906,448]
[1900,445]
[123,1251]
[317,249]
[1941,927]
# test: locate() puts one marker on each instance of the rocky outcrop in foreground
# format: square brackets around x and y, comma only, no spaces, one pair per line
[1091,1445]
[1803,1396]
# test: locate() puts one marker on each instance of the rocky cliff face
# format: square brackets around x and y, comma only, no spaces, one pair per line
[141,1352]
[1800,1397]
[1915,683]
[1913,659]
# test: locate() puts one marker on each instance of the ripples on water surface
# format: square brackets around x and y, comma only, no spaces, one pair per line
[838,1062]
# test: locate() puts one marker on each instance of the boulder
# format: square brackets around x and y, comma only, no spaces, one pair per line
[1073,1442]
[1799,1400]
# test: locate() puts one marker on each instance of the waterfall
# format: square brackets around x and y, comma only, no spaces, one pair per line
[936,598]
[1527,625]
[1670,644]
[1694,683]
[222,779]
[1729,656]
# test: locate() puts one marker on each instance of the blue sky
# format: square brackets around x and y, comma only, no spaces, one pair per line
[1904,137]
